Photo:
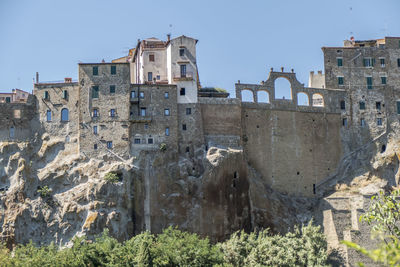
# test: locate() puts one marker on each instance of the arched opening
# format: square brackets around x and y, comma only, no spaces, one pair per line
[262,97]
[317,100]
[302,99]
[247,96]
[283,89]
[64,114]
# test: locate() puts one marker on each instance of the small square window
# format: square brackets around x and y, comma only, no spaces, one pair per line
[340,80]
[378,105]
[137,141]
[95,129]
[184,127]
[379,121]
[112,89]
[182,91]
[95,146]
[188,111]
[362,105]
[150,141]
[166,112]
[167,131]
[166,95]
[146,126]
[383,79]
[151,58]
[181,52]
[113,70]
[340,62]
[95,70]
[141,95]
[112,112]
[95,92]
[109,144]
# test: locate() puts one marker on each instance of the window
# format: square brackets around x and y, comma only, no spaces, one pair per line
[113,70]
[95,91]
[339,61]
[188,111]
[151,58]
[378,105]
[379,121]
[182,91]
[146,126]
[398,62]
[362,105]
[136,140]
[183,71]
[141,95]
[95,129]
[181,52]
[184,127]
[112,112]
[95,146]
[64,114]
[95,112]
[382,61]
[109,144]
[149,76]
[167,131]
[369,82]
[133,94]
[8,99]
[48,115]
[112,89]
[369,62]
[45,96]
[398,107]
[344,122]
[362,122]
[166,112]
[340,80]
[12,132]
[95,70]
[143,112]
[158,77]
[166,95]
[187,149]
[65,94]
[342,105]
[383,79]
[150,141]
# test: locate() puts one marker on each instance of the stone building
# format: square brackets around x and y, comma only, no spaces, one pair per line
[152,99]
[16,96]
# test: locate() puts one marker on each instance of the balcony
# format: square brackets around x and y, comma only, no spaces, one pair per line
[134,100]
[140,119]
[188,76]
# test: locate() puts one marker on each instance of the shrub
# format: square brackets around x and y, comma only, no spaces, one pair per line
[163,147]
[111,178]
[44,191]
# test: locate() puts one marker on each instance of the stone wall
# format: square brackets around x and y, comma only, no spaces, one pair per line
[190,128]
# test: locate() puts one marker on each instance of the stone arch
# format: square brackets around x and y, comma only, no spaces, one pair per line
[64,114]
[317,100]
[247,95]
[283,88]
[303,99]
[262,96]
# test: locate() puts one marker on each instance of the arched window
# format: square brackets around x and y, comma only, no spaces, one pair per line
[247,96]
[317,100]
[262,97]
[283,89]
[64,114]
[302,99]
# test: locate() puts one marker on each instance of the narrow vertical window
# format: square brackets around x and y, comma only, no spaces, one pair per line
[382,61]
[95,129]
[362,105]
[46,95]
[182,91]
[112,89]
[167,131]
[149,76]
[48,115]
[344,122]
[342,105]
[112,113]
[95,70]
[109,144]
[369,82]
[113,70]
[383,80]
[398,62]
[143,112]
[95,113]
[181,52]
[166,95]
[95,146]
[95,91]
[166,112]
[65,94]
[339,61]
[151,58]
[188,111]
[340,80]
[379,121]
[133,94]
[362,122]
[378,105]
[12,132]
[184,127]
[183,71]
[141,95]
[64,114]
[398,107]
[150,141]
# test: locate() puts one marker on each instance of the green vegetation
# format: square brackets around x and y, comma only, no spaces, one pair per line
[44,191]
[214,89]
[163,147]
[384,216]
[306,246]
[111,178]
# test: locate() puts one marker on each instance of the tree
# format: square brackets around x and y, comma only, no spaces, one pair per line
[384,217]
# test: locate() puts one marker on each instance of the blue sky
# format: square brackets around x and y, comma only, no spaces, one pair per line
[238,40]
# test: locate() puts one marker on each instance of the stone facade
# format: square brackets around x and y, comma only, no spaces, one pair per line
[116,108]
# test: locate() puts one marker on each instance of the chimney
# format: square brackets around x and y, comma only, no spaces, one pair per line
[37,77]
[320,72]
[168,37]
[312,72]
[68,80]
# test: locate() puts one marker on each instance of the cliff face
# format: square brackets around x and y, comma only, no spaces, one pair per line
[213,193]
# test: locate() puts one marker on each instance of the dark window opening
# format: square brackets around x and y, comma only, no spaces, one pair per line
[64,114]
[133,94]
[188,111]
[379,121]
[187,149]
[181,52]
[112,113]
[149,76]
[141,95]
[95,91]
[150,141]
[136,140]
[398,107]
[95,146]
[166,95]
[340,62]
[344,122]
[143,112]
[235,175]
[151,58]
[8,99]
[383,148]
[112,89]
[383,79]
[369,82]
[95,112]
[113,70]
[109,144]
[167,131]
[340,80]
[95,70]
[342,105]
[184,127]
[314,189]
[182,91]
[362,105]
[48,115]
[298,173]
[46,96]
[65,94]
[378,105]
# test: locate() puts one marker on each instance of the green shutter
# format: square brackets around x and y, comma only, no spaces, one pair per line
[113,69]
[398,107]
[95,92]
[373,62]
[365,62]
[95,70]
[339,62]
[369,82]
[112,89]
